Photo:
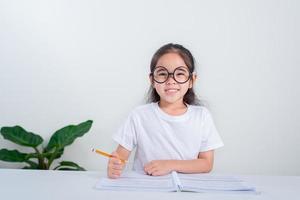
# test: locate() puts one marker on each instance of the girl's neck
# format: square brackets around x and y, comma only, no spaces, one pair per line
[177,108]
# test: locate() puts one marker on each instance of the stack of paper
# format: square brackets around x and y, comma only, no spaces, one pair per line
[132,181]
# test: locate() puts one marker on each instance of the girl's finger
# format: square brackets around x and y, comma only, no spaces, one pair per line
[115,154]
[117,167]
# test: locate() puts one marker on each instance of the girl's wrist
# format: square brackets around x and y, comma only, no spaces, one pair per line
[173,165]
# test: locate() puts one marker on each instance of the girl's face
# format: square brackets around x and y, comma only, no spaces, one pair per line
[171,92]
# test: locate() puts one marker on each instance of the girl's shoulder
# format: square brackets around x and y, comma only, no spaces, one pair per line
[150,107]
[198,108]
[200,111]
[147,111]
[142,109]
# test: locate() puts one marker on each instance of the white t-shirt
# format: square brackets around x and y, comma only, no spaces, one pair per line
[160,136]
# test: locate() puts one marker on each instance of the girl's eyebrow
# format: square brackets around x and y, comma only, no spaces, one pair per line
[161,69]
[182,68]
[179,67]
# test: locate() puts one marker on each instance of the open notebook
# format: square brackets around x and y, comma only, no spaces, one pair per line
[132,181]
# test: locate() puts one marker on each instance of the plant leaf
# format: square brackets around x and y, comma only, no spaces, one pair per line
[67,135]
[58,154]
[69,169]
[32,155]
[12,155]
[20,136]
[71,164]
[32,165]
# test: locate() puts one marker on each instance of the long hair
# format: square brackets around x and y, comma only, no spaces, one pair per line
[190,96]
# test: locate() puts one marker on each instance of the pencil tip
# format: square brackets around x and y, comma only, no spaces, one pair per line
[93,149]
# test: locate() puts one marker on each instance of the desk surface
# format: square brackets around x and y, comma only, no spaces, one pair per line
[37,184]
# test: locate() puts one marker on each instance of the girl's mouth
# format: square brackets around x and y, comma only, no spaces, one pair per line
[171,90]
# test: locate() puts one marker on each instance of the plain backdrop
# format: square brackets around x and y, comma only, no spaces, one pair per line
[64,62]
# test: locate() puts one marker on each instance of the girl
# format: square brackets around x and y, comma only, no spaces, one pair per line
[172,132]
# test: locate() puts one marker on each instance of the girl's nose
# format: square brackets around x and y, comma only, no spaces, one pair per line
[171,79]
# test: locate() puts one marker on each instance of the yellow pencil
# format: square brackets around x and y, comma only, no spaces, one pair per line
[107,154]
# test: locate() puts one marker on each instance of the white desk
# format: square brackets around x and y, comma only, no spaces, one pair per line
[55,185]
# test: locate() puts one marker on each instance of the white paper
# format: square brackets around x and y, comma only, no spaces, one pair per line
[132,181]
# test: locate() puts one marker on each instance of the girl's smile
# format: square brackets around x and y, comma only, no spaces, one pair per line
[171,91]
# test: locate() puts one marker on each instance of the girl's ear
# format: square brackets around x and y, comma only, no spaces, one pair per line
[151,80]
[194,78]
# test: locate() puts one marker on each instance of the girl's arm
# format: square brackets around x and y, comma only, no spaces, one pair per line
[203,164]
[115,165]
[122,152]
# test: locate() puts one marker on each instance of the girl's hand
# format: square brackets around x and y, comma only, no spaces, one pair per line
[158,167]
[115,166]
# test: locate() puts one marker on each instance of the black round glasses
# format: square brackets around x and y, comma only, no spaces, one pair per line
[180,75]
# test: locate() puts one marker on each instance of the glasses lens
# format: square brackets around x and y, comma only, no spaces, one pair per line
[160,74]
[181,75]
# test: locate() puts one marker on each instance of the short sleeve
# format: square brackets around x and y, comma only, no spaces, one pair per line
[211,139]
[126,134]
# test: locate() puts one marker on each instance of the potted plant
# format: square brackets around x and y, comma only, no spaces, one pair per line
[42,157]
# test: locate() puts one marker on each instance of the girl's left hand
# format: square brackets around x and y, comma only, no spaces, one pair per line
[158,167]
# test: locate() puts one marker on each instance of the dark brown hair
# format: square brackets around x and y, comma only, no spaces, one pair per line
[190,96]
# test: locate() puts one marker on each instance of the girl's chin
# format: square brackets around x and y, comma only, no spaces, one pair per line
[171,93]
[171,100]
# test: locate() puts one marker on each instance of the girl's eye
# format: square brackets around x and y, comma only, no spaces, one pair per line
[162,74]
[182,73]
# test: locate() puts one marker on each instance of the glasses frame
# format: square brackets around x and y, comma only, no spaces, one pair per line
[171,74]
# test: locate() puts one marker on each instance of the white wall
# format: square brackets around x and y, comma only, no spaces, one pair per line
[63,62]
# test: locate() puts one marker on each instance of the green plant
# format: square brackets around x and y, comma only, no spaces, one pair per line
[42,157]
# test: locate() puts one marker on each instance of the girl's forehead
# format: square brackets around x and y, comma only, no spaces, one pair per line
[171,61]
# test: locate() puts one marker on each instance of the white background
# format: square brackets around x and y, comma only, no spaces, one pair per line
[64,62]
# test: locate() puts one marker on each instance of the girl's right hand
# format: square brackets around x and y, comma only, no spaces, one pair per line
[115,166]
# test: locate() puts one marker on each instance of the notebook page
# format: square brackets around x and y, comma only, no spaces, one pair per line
[176,181]
[213,183]
[209,177]
[137,182]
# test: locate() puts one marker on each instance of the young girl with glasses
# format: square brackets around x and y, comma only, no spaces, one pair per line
[173,132]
